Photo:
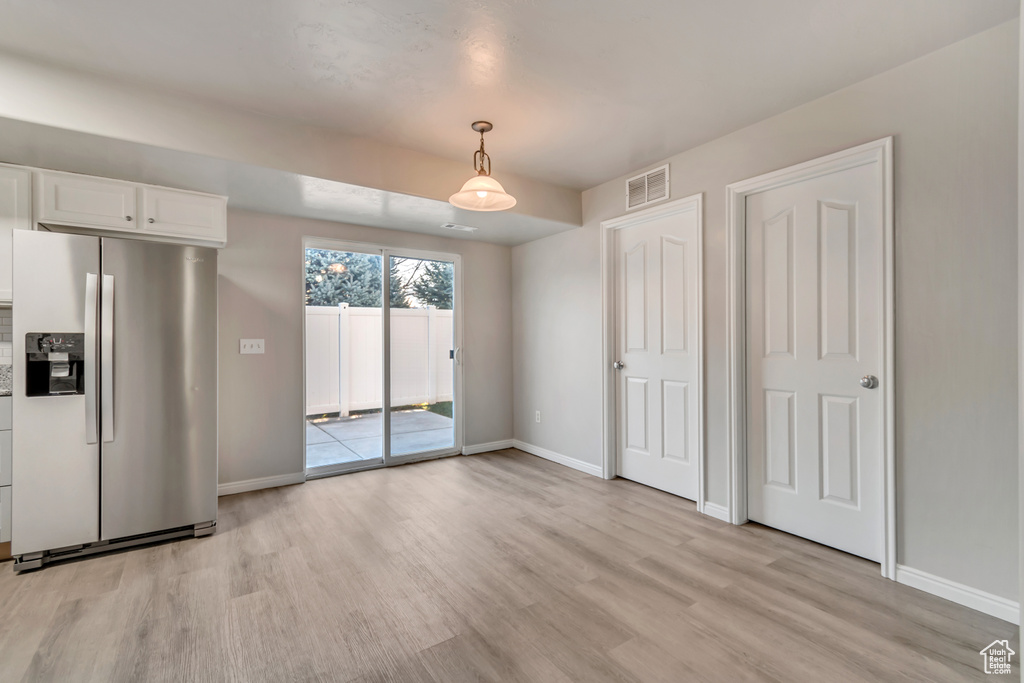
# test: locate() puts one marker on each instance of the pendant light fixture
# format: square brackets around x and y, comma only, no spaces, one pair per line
[482,192]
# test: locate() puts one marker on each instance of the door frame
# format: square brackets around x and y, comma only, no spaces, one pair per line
[608,231]
[876,152]
[386,460]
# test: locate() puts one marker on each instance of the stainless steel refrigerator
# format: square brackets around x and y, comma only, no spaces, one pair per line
[115,394]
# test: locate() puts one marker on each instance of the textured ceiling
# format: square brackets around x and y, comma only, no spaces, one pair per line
[580,91]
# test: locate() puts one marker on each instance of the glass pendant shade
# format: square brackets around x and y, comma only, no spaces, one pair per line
[482,193]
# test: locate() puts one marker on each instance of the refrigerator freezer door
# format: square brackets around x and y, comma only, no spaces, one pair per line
[55,473]
[159,467]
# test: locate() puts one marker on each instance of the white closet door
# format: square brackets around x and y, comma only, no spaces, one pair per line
[814,330]
[658,388]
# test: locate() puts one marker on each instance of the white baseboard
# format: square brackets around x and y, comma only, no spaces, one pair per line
[261,483]
[487,447]
[717,511]
[1002,608]
[558,457]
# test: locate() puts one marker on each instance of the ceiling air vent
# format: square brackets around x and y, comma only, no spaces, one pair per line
[647,188]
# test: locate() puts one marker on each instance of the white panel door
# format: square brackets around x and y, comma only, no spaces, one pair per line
[814,329]
[657,389]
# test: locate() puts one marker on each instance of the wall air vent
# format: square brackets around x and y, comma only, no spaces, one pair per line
[647,188]
[460,228]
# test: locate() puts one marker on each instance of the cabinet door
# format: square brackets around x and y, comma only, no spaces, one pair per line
[5,514]
[184,214]
[15,214]
[81,200]
[5,458]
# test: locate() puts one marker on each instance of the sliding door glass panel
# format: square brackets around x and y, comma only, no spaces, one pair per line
[422,297]
[344,360]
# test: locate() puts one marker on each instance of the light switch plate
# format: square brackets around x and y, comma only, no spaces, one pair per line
[246,346]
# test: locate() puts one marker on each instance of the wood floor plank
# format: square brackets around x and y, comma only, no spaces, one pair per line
[497,567]
[21,636]
[654,664]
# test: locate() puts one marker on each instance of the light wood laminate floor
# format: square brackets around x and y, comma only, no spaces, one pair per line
[496,567]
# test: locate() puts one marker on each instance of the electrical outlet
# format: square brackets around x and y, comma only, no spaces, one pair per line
[538,416]
[246,346]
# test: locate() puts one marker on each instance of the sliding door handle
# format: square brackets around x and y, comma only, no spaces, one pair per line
[90,359]
[107,358]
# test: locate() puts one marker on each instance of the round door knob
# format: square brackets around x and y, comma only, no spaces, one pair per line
[618,365]
[869,381]
[152,220]
[128,218]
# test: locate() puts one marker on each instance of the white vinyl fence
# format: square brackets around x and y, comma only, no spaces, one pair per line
[343,358]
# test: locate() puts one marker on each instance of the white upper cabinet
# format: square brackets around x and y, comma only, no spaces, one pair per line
[15,214]
[184,214]
[70,199]
[116,205]
[32,195]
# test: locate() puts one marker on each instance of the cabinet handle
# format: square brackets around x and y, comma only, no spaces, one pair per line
[128,218]
[152,220]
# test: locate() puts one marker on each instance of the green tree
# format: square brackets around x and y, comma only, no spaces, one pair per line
[399,289]
[435,285]
[336,277]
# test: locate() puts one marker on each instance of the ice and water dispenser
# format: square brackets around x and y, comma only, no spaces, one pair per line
[56,364]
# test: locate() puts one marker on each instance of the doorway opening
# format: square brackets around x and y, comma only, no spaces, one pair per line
[381,370]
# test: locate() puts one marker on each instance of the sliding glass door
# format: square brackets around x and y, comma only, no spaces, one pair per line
[344,363]
[382,376]
[422,367]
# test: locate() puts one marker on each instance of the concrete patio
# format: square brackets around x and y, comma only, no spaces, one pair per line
[338,440]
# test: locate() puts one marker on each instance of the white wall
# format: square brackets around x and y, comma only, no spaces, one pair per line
[954,117]
[556,322]
[261,295]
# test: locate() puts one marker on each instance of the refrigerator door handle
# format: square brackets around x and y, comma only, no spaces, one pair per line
[107,358]
[90,358]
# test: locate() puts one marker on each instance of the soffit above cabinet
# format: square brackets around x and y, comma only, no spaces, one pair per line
[264,190]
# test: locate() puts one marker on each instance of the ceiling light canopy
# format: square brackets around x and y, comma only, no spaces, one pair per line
[482,192]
